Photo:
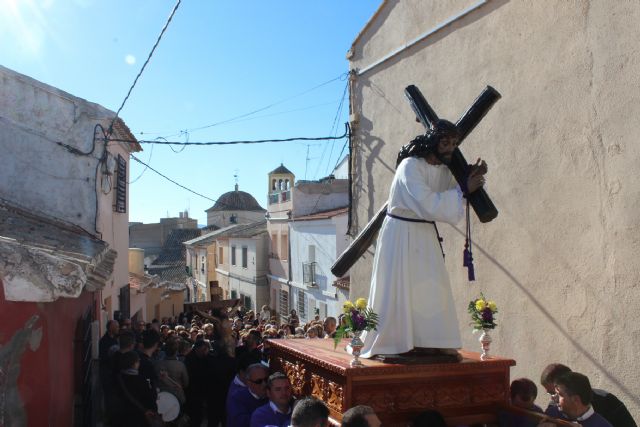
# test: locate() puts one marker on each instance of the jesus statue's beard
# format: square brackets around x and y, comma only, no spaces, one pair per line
[445,158]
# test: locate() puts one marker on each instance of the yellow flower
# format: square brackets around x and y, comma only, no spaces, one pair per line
[347,307]
[361,303]
[480,305]
[492,306]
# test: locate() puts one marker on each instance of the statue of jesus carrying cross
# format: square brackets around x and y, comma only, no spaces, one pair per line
[410,287]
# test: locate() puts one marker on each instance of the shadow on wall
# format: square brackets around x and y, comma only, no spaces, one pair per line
[553,321]
[374,145]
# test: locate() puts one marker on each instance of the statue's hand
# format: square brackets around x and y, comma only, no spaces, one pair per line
[479,168]
[476,176]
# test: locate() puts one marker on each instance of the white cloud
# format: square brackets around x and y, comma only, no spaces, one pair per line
[130,59]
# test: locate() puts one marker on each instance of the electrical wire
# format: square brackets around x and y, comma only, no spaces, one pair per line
[217,202]
[145,168]
[259,141]
[273,104]
[166,25]
[171,180]
[333,131]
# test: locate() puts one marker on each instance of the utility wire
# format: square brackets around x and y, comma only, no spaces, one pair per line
[273,104]
[171,180]
[259,141]
[333,131]
[166,25]
[277,113]
[217,202]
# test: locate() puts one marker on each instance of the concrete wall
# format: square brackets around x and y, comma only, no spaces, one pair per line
[35,171]
[151,237]
[42,131]
[312,196]
[562,150]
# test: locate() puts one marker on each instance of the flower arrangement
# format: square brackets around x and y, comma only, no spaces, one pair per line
[482,313]
[358,317]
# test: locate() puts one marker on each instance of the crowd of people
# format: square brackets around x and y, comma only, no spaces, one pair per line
[216,366]
[571,398]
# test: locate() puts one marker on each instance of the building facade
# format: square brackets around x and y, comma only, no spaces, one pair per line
[248,264]
[559,144]
[279,189]
[316,241]
[63,245]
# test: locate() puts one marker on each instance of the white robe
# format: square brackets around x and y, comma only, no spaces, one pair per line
[410,287]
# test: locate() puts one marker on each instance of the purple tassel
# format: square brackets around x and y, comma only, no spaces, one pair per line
[472,272]
[466,257]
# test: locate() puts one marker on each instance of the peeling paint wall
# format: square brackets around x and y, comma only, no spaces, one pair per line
[41,339]
[562,150]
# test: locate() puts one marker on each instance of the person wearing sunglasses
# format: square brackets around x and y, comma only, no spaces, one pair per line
[243,402]
[278,411]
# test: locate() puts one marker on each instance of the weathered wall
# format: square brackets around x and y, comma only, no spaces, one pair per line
[37,172]
[46,361]
[562,150]
[50,159]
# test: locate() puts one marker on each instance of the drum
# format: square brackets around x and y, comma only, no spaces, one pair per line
[168,406]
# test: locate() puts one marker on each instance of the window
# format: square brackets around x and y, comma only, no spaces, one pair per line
[234,294]
[233,255]
[245,254]
[220,259]
[309,273]
[322,311]
[202,265]
[121,186]
[302,312]
[284,247]
[284,302]
[246,301]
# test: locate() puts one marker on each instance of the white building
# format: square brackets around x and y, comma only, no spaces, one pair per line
[316,241]
[248,264]
[300,276]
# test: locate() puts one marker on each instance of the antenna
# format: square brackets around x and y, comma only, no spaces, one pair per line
[306,165]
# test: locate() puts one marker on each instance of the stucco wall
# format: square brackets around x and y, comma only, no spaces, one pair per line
[560,259]
[47,362]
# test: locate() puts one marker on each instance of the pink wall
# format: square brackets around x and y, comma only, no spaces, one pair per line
[47,375]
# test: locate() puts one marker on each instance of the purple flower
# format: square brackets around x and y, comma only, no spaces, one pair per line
[358,320]
[487,315]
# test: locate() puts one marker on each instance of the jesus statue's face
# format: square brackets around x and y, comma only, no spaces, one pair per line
[446,146]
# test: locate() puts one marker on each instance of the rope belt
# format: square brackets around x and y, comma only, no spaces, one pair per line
[401,218]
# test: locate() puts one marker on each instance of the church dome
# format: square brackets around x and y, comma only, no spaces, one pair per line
[236,201]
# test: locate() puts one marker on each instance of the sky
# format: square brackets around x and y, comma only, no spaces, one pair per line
[223,71]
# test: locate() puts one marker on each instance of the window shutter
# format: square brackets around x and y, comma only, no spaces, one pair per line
[121,186]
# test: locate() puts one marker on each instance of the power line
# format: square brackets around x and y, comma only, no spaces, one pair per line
[166,25]
[273,104]
[259,141]
[334,130]
[277,113]
[171,180]
[217,202]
